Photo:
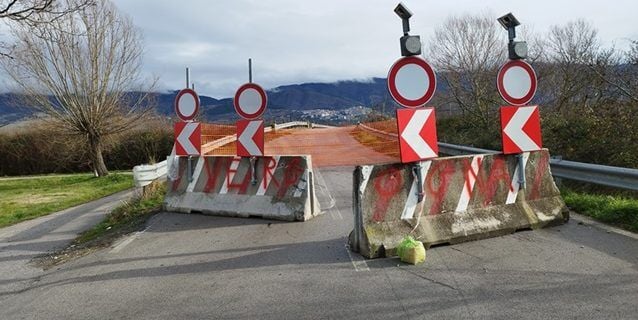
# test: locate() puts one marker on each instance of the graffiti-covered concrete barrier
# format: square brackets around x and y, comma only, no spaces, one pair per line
[277,187]
[458,199]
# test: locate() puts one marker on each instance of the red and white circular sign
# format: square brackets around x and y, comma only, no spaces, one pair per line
[516,82]
[250,101]
[411,82]
[186,104]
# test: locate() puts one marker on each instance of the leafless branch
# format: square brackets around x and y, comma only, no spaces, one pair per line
[80,70]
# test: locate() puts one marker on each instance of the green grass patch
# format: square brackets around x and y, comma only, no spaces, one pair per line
[28,198]
[620,211]
[127,217]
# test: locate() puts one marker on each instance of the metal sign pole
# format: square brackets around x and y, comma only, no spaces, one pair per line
[521,171]
[188,76]
[250,70]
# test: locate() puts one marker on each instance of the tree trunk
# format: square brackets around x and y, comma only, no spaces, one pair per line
[95,154]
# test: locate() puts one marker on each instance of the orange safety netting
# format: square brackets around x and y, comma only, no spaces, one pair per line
[368,143]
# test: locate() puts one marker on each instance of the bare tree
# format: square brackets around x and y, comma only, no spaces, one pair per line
[467,52]
[568,81]
[31,12]
[80,70]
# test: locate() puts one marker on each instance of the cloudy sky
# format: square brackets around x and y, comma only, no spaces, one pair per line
[294,41]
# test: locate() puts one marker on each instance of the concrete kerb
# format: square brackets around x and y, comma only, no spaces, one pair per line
[276,187]
[463,198]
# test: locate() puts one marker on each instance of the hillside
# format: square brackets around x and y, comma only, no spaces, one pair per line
[283,102]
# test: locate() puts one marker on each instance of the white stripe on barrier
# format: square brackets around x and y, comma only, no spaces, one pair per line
[231,174]
[198,170]
[366,171]
[468,186]
[413,196]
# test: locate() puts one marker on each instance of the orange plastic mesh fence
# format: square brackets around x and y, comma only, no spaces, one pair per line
[368,143]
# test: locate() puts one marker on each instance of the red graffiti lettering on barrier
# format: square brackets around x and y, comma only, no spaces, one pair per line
[437,183]
[213,174]
[270,165]
[498,175]
[540,171]
[293,171]
[242,186]
[387,184]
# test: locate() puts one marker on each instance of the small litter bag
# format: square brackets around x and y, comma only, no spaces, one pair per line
[411,251]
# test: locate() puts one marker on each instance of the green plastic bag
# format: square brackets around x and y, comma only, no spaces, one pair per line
[411,251]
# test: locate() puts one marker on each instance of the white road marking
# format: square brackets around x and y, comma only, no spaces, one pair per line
[358,263]
[117,248]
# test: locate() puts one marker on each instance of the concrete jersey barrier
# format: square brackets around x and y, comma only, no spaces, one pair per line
[463,198]
[277,187]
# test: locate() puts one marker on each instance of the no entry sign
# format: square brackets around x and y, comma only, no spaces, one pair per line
[250,101]
[411,82]
[186,104]
[516,82]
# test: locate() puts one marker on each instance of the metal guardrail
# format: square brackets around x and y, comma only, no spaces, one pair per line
[624,178]
[144,174]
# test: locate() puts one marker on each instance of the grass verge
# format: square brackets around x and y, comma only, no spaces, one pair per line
[129,217]
[32,197]
[619,211]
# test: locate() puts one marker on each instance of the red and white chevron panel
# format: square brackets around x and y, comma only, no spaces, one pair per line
[188,139]
[521,129]
[417,134]
[250,138]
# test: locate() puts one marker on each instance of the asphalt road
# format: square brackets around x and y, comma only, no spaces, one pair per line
[203,267]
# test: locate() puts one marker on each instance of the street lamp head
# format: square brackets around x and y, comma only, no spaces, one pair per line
[508,21]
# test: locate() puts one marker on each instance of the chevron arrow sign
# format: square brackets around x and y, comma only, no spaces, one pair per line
[417,134]
[521,129]
[188,139]
[250,138]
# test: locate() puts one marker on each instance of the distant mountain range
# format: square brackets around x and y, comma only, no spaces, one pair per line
[283,101]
